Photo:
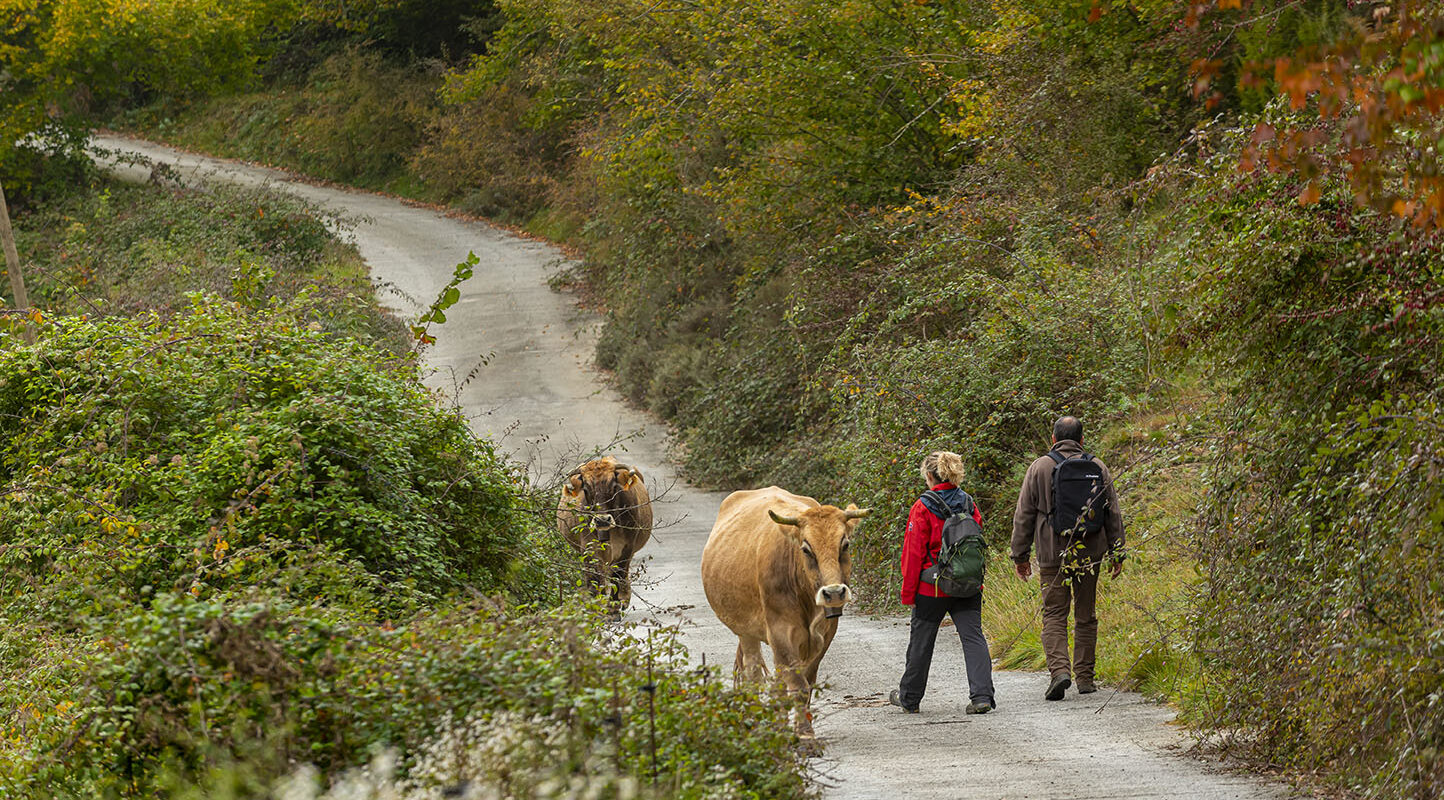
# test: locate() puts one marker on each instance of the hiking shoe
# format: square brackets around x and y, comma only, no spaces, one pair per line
[1059,685]
[1086,687]
[897,701]
[976,707]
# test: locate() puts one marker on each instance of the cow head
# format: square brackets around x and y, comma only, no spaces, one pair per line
[823,536]
[600,488]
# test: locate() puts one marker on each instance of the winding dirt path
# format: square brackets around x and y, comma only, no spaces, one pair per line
[539,398]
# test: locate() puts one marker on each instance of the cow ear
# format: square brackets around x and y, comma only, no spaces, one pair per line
[573,486]
[626,476]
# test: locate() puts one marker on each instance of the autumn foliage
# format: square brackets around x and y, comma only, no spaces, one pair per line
[1374,97]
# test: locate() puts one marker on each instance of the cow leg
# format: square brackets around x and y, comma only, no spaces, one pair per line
[622,582]
[820,647]
[811,672]
[792,673]
[749,666]
[594,566]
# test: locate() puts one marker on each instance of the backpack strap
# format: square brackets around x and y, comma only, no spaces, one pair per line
[1058,459]
[937,498]
[972,504]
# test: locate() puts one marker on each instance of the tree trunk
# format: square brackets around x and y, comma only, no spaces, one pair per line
[12,266]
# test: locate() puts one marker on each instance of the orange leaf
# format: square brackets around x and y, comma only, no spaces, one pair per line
[1310,194]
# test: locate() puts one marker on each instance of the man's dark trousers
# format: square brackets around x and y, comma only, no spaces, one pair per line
[1075,586]
[928,613]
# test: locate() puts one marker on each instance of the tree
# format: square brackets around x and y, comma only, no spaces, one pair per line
[61,61]
[1367,102]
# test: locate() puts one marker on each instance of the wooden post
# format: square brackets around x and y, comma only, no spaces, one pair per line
[12,266]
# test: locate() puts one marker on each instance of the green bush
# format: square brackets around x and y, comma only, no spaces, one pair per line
[231,545]
[215,444]
[172,694]
[1321,512]
[482,157]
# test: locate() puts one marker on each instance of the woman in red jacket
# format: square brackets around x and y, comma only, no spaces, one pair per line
[942,471]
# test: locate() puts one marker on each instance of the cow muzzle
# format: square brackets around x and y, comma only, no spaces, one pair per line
[603,522]
[832,598]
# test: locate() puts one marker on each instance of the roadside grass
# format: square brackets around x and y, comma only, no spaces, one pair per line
[108,247]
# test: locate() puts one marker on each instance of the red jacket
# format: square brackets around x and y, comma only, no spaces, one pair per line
[921,543]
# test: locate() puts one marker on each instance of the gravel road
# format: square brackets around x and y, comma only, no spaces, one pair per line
[534,391]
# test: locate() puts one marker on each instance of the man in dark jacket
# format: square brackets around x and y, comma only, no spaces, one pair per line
[1068,565]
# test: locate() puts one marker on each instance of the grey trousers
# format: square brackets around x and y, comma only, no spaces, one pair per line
[967,614]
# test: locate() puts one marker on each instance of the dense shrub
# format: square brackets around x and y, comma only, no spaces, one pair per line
[218,441]
[173,694]
[1322,507]
[481,157]
[224,540]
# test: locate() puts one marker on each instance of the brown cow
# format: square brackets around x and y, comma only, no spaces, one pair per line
[606,513]
[775,570]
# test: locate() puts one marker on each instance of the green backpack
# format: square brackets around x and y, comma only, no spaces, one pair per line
[963,556]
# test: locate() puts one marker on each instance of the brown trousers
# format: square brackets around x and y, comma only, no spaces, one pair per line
[1076,586]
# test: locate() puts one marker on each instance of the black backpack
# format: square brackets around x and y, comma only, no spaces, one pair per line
[963,556]
[1080,496]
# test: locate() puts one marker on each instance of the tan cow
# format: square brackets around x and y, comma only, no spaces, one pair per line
[775,570]
[606,513]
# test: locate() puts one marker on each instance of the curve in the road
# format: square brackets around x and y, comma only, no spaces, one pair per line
[539,398]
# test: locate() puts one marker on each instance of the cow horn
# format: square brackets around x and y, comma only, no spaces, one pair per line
[856,513]
[781,520]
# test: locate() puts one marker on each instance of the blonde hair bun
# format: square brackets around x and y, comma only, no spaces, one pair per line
[944,465]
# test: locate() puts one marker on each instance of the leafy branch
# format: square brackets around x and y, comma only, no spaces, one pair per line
[450,294]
